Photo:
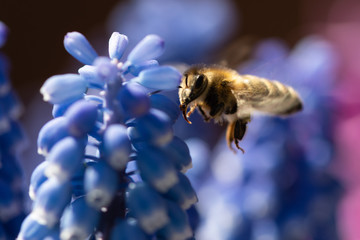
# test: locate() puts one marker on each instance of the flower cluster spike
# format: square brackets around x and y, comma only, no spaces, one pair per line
[85,187]
[12,210]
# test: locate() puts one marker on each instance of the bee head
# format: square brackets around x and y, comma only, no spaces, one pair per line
[193,84]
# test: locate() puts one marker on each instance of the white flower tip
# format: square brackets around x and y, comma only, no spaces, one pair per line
[119,159]
[166,182]
[42,151]
[164,139]
[74,232]
[32,193]
[56,171]
[20,237]
[98,198]
[157,219]
[39,215]
[189,202]
[46,95]
[184,169]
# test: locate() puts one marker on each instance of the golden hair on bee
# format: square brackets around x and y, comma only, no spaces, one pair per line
[223,94]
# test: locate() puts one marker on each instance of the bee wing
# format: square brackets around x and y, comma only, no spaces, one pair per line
[236,52]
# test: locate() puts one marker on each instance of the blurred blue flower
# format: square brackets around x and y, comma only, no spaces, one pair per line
[3,33]
[94,138]
[193,29]
[12,142]
[281,188]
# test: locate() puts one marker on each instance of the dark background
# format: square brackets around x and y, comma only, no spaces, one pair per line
[37,29]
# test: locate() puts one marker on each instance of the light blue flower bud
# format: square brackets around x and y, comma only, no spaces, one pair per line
[50,133]
[78,221]
[90,74]
[147,206]
[60,109]
[164,104]
[79,47]
[156,169]
[63,88]
[133,100]
[179,154]
[31,229]
[105,69]
[136,69]
[182,193]
[100,184]
[52,198]
[159,78]
[117,146]
[127,230]
[37,178]
[117,45]
[81,117]
[65,158]
[154,127]
[151,47]
[178,227]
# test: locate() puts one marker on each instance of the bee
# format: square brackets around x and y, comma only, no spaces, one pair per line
[223,94]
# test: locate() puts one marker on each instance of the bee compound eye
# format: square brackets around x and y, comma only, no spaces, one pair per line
[199,81]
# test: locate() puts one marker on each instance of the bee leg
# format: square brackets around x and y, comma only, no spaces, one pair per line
[219,108]
[230,135]
[239,131]
[206,118]
[192,109]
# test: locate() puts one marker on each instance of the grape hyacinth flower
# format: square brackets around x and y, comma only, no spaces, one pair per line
[106,118]
[12,210]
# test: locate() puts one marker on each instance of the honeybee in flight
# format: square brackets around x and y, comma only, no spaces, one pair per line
[222,94]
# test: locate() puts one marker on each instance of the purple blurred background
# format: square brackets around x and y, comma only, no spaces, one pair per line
[198,31]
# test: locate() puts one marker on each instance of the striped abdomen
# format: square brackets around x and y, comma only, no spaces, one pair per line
[267,96]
